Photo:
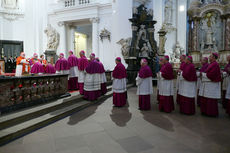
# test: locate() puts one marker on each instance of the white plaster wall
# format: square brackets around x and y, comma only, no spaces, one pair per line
[121,27]
[28,29]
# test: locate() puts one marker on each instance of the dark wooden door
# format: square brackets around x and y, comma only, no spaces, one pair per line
[10,48]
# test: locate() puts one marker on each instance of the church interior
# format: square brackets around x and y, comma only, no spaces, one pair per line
[115,76]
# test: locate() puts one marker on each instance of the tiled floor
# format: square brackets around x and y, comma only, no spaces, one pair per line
[105,129]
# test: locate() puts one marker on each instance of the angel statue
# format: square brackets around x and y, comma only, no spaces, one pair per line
[125,46]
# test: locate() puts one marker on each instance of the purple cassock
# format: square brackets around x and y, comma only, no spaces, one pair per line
[202,69]
[37,68]
[119,85]
[144,90]
[188,94]
[182,65]
[73,76]
[103,79]
[166,89]
[50,69]
[209,99]
[62,65]
[92,84]
[82,64]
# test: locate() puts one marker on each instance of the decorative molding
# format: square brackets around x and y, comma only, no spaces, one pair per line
[11,10]
[11,15]
[105,34]
[60,23]
[143,1]
[95,20]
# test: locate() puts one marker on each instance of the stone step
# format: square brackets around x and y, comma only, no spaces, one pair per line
[18,130]
[18,117]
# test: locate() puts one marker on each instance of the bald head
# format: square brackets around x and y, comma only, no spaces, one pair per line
[22,54]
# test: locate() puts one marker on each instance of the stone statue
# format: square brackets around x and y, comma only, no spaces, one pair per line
[142,34]
[125,46]
[135,11]
[168,12]
[150,12]
[162,41]
[202,46]
[177,52]
[144,51]
[53,38]
[10,4]
[209,36]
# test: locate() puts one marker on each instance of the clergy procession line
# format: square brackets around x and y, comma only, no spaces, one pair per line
[204,84]
[89,77]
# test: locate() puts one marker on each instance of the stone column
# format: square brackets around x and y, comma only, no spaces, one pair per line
[95,35]
[71,37]
[195,36]
[190,37]
[227,35]
[195,53]
[63,41]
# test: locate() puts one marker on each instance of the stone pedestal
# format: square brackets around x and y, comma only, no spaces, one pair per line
[51,54]
[196,56]
[132,68]
[222,56]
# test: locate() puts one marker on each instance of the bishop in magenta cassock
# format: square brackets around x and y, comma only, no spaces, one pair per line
[119,84]
[144,85]
[92,83]
[36,65]
[166,88]
[188,92]
[50,69]
[82,64]
[226,72]
[179,83]
[103,78]
[73,72]
[211,90]
[205,64]
[62,66]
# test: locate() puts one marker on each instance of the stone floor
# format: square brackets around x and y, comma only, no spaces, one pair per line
[105,129]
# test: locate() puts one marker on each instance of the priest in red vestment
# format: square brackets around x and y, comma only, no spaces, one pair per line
[73,72]
[22,65]
[144,85]
[211,91]
[119,84]
[205,64]
[179,84]
[166,87]
[82,64]
[187,92]
[92,83]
